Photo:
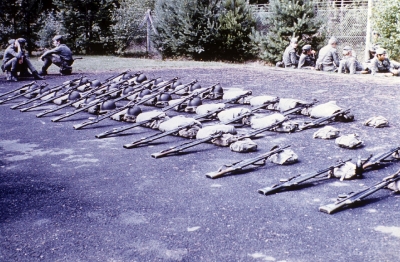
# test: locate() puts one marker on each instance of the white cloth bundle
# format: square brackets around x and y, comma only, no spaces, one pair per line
[377,121]
[288,103]
[324,110]
[245,145]
[266,121]
[176,122]
[348,141]
[261,100]
[215,129]
[204,109]
[327,132]
[286,156]
[232,113]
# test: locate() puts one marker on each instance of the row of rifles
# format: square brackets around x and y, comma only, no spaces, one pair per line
[135,91]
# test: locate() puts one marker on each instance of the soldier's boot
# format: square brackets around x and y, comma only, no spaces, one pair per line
[36,75]
[43,72]
[13,76]
[8,75]
[66,70]
[25,73]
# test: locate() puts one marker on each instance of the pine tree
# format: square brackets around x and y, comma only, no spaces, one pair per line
[187,27]
[235,33]
[288,19]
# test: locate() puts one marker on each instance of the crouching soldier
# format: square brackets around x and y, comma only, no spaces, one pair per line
[290,56]
[349,64]
[61,56]
[382,64]
[15,60]
[307,58]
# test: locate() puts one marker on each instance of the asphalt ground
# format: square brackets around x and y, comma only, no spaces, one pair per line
[67,196]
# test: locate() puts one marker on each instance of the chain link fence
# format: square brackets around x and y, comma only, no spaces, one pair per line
[346,20]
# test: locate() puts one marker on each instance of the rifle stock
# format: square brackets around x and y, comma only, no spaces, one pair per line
[374,160]
[298,108]
[100,99]
[124,128]
[241,164]
[355,197]
[18,89]
[320,121]
[83,97]
[184,146]
[157,136]
[129,105]
[53,98]
[298,179]
[22,94]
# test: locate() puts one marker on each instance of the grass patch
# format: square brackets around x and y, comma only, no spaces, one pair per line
[99,64]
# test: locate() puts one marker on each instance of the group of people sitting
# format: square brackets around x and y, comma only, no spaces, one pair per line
[16,61]
[328,60]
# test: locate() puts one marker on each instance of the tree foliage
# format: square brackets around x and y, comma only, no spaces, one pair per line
[18,18]
[386,21]
[88,23]
[128,18]
[288,19]
[204,29]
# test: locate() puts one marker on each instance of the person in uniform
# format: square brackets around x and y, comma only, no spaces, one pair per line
[328,58]
[307,58]
[382,64]
[290,56]
[349,63]
[15,60]
[61,56]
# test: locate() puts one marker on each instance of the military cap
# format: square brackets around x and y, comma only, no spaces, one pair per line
[58,38]
[380,51]
[293,40]
[22,41]
[347,48]
[307,48]
[11,41]
[333,40]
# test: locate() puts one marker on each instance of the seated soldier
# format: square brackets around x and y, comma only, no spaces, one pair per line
[290,56]
[349,63]
[307,58]
[382,64]
[61,56]
[15,60]
[328,59]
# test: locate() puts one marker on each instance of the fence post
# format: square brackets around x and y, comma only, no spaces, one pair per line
[368,36]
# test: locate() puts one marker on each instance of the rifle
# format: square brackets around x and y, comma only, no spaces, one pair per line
[159,135]
[232,100]
[186,145]
[83,97]
[56,96]
[43,84]
[186,98]
[51,90]
[129,105]
[354,197]
[101,99]
[298,108]
[253,110]
[127,127]
[296,180]
[179,148]
[237,166]
[22,89]
[374,160]
[321,120]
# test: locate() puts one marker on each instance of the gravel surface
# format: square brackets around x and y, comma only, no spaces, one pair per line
[67,196]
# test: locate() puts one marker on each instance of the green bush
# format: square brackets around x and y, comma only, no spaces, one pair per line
[288,19]
[50,27]
[386,21]
[204,29]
